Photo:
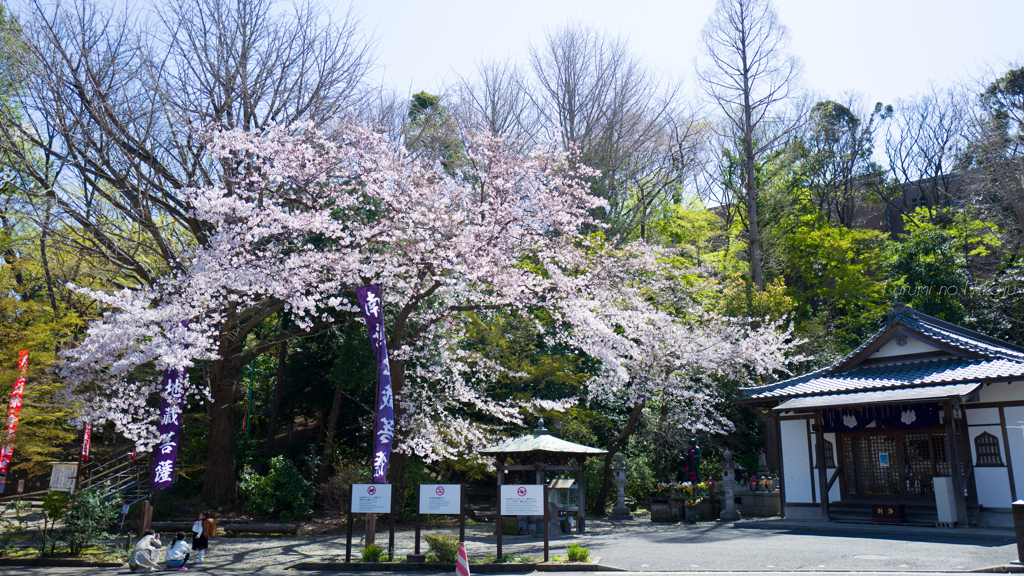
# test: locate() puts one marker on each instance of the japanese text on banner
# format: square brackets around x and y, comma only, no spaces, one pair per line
[384,425]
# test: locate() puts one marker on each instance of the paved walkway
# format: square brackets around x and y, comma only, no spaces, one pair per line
[639,545]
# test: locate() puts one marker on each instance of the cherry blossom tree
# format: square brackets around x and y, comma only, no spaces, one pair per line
[308,219]
[645,320]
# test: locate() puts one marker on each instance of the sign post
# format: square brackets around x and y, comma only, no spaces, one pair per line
[439,499]
[369,499]
[62,476]
[522,500]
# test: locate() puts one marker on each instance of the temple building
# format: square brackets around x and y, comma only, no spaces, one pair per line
[921,425]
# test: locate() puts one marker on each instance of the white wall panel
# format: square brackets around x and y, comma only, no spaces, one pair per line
[795,460]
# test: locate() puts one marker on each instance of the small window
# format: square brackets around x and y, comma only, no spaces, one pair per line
[830,457]
[987,448]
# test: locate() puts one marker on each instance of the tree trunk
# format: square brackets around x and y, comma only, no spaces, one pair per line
[396,477]
[275,408]
[332,422]
[614,446]
[750,185]
[220,483]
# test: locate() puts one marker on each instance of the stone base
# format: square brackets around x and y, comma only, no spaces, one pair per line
[626,516]
[730,515]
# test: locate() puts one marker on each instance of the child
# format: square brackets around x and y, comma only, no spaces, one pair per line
[200,541]
[178,552]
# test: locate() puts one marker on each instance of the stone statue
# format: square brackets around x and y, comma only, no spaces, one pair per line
[692,458]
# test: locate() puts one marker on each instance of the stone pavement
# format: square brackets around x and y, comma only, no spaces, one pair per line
[639,545]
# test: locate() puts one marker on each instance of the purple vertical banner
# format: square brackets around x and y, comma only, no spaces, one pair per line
[169,427]
[384,426]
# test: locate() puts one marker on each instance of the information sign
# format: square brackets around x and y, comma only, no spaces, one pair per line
[522,500]
[371,498]
[21,486]
[62,478]
[440,498]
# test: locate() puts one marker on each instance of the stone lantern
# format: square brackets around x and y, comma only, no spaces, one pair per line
[620,511]
[728,467]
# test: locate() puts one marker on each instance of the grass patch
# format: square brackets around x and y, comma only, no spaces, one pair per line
[578,553]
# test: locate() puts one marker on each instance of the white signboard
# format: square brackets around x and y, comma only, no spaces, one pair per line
[62,477]
[371,498]
[440,498]
[522,500]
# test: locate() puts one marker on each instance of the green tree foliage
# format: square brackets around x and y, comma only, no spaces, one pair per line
[432,132]
[282,494]
[92,512]
[837,165]
[832,274]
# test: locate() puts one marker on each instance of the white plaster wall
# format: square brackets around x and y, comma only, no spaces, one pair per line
[913,346]
[993,486]
[1002,392]
[1015,415]
[992,482]
[795,460]
[980,416]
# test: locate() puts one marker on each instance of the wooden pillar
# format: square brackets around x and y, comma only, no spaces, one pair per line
[822,472]
[1006,450]
[953,452]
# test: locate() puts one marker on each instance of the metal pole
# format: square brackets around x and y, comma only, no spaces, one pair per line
[462,513]
[348,539]
[547,526]
[419,495]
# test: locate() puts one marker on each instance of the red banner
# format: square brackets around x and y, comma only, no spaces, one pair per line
[13,413]
[86,441]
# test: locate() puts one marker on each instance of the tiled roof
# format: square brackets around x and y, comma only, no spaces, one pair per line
[875,396]
[982,358]
[541,442]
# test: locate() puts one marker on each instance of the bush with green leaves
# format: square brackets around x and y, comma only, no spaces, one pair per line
[12,525]
[54,509]
[92,512]
[283,493]
[444,547]
[373,553]
[577,553]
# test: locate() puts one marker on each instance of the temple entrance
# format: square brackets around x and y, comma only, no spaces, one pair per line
[893,464]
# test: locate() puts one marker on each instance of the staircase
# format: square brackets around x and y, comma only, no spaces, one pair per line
[922,513]
[119,475]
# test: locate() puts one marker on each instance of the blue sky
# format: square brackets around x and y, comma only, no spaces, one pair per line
[884,49]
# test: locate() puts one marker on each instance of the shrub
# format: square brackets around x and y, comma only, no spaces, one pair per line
[92,511]
[444,547]
[283,493]
[578,553]
[334,492]
[55,508]
[9,530]
[373,553]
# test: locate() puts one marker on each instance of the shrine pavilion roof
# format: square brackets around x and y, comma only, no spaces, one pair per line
[946,354]
[541,441]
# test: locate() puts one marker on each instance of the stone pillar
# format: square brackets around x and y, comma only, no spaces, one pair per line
[620,511]
[728,467]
